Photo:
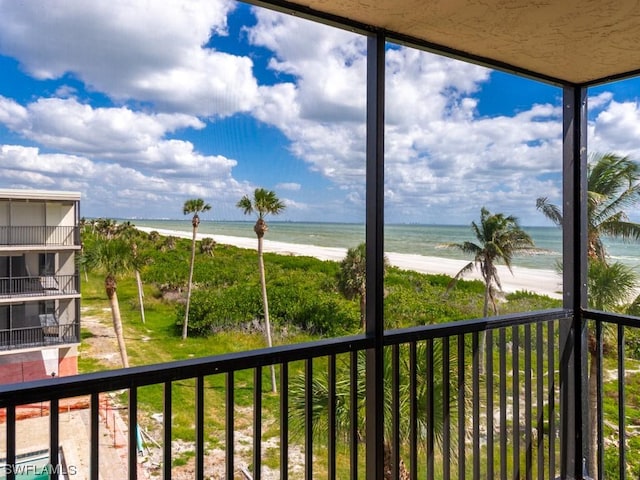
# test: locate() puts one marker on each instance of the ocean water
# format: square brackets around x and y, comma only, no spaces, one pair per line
[429,240]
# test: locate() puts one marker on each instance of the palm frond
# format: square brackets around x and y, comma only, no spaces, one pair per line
[549,210]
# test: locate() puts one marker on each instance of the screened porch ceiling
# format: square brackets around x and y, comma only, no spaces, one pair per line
[577,42]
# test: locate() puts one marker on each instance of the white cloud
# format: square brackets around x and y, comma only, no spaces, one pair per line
[291,186]
[329,64]
[440,154]
[616,128]
[12,114]
[108,188]
[133,51]
[443,158]
[117,135]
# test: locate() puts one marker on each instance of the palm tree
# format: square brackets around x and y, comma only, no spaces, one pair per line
[264,202]
[194,206]
[320,397]
[128,232]
[613,183]
[499,238]
[106,227]
[113,257]
[139,261]
[154,236]
[168,244]
[352,278]
[207,245]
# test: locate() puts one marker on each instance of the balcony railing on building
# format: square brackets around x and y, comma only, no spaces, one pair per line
[47,330]
[38,286]
[39,235]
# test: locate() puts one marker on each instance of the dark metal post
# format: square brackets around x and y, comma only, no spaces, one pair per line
[375,254]
[573,378]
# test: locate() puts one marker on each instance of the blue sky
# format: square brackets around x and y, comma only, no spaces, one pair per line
[141,106]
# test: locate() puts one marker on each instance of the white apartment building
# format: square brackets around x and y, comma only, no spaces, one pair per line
[39,284]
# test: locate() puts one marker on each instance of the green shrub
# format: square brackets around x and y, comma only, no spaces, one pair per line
[234,306]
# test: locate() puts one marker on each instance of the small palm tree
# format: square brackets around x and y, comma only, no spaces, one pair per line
[207,245]
[499,239]
[352,278]
[320,399]
[139,260]
[168,244]
[193,206]
[154,236]
[263,203]
[113,257]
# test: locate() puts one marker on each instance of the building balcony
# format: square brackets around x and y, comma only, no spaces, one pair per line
[29,236]
[25,288]
[48,332]
[488,398]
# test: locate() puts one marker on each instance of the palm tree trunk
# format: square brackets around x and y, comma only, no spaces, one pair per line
[363,311]
[110,287]
[388,473]
[483,335]
[485,307]
[140,295]
[186,309]
[265,302]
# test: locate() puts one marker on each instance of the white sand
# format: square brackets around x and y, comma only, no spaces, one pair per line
[544,282]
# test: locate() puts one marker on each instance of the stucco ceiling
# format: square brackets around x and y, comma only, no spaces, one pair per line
[573,41]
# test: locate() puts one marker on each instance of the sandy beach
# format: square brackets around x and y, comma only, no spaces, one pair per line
[544,282]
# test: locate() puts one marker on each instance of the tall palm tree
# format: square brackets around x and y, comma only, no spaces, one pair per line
[113,257]
[499,239]
[193,206]
[263,203]
[613,184]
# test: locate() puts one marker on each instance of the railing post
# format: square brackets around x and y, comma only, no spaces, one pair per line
[375,255]
[574,430]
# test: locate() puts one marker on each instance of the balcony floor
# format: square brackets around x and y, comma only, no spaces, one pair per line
[33,434]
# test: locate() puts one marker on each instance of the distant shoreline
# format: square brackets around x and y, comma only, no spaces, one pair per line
[542,282]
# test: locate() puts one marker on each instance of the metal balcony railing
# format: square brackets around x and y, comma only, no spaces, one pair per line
[39,235]
[45,285]
[473,399]
[613,339]
[50,332]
